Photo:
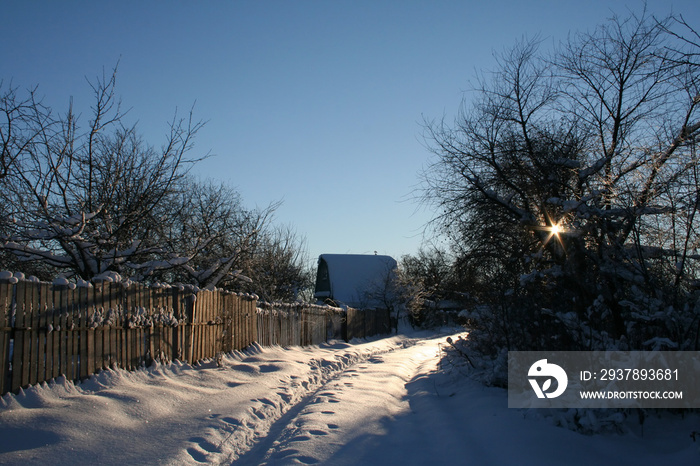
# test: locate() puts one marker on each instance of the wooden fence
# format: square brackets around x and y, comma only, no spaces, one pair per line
[307,324]
[297,324]
[360,323]
[48,330]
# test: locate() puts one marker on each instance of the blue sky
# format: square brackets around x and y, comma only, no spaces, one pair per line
[319,104]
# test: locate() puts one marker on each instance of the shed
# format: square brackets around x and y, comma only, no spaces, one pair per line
[354,280]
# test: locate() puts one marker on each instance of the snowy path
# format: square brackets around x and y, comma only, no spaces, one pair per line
[376,403]
[351,406]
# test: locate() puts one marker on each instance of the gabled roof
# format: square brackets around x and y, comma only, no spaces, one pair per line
[355,276]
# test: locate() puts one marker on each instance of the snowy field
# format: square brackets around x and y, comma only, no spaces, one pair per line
[383,402]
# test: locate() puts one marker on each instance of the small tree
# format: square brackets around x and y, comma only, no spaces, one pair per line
[277,265]
[424,282]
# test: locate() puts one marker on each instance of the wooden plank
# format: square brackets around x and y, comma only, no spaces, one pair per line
[178,335]
[176,342]
[214,329]
[90,308]
[77,331]
[123,330]
[202,306]
[62,332]
[134,334]
[216,316]
[98,315]
[138,333]
[232,324]
[113,313]
[32,340]
[162,330]
[112,317]
[70,334]
[167,346]
[72,340]
[243,326]
[209,337]
[251,321]
[131,306]
[225,328]
[117,326]
[191,318]
[47,323]
[204,334]
[235,321]
[6,291]
[220,317]
[196,305]
[169,336]
[45,310]
[26,331]
[246,325]
[18,344]
[198,330]
[183,329]
[161,312]
[145,350]
[230,300]
[153,331]
[82,324]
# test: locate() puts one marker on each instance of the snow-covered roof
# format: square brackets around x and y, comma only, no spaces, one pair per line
[354,278]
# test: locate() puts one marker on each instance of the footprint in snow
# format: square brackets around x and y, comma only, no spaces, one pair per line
[231,420]
[205,444]
[270,368]
[245,368]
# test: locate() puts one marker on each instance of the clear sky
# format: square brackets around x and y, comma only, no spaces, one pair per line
[319,104]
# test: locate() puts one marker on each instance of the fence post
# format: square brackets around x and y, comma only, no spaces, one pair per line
[6,292]
[191,319]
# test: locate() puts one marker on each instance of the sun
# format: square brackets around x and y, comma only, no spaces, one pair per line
[555,229]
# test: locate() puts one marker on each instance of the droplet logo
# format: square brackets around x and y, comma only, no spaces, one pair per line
[542,370]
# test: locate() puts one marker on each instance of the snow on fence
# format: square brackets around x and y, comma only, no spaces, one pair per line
[53,329]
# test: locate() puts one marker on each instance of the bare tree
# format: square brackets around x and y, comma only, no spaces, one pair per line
[90,200]
[571,184]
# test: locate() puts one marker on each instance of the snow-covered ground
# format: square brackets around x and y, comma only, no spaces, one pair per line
[383,402]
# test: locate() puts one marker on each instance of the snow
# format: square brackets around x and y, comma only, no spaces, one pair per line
[383,401]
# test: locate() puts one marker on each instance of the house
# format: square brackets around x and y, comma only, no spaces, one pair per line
[360,281]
